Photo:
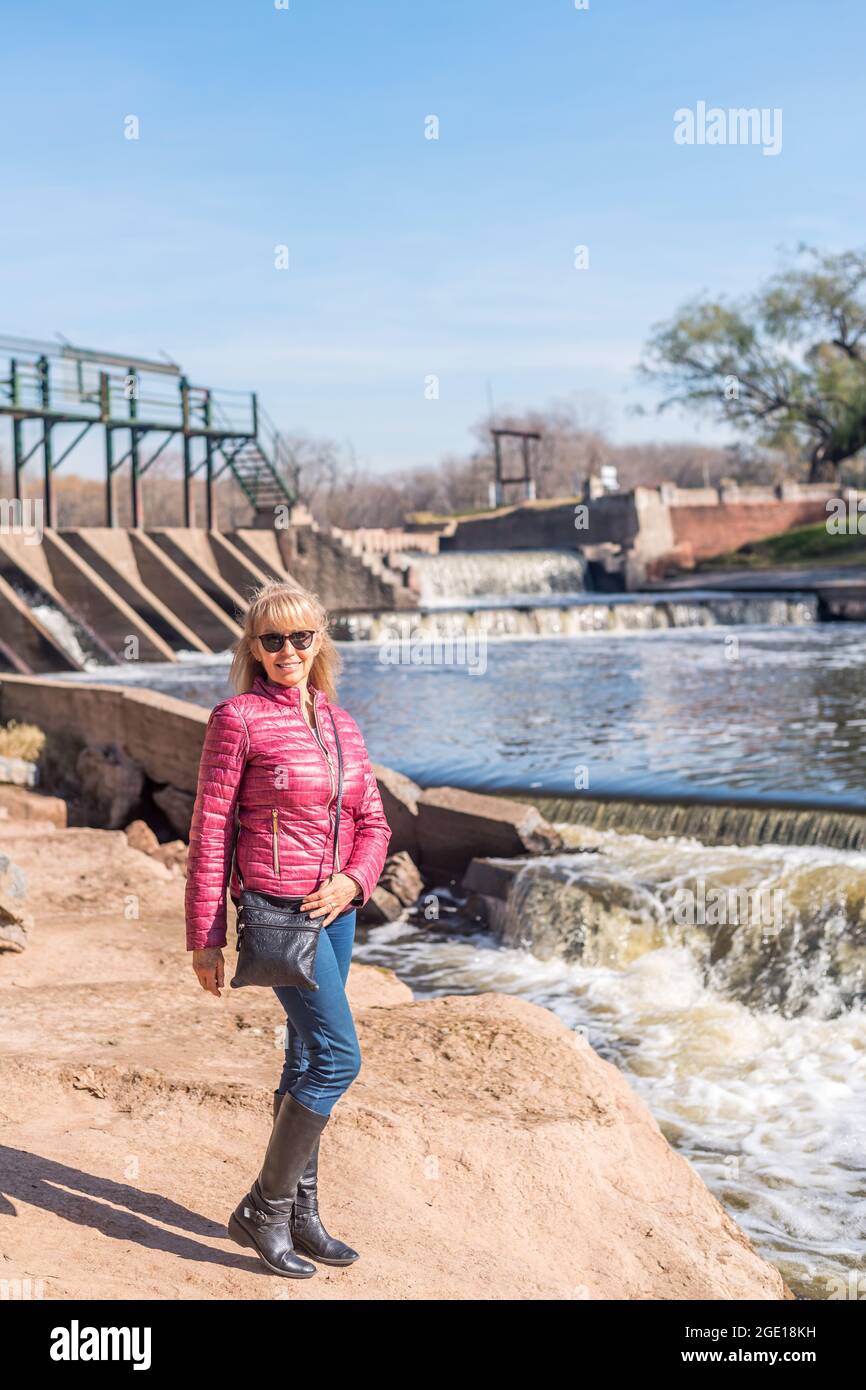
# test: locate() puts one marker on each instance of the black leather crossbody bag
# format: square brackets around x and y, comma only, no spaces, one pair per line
[276,941]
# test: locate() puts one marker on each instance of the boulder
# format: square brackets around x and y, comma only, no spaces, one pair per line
[491,878]
[400,802]
[21,804]
[400,886]
[173,854]
[457,826]
[141,837]
[401,877]
[15,920]
[111,784]
[381,906]
[177,806]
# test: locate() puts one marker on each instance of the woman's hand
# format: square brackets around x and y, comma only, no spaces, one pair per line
[208,964]
[333,897]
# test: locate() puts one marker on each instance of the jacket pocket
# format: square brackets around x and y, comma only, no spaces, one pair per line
[275,844]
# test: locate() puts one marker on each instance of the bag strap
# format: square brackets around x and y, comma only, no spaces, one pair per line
[234,863]
[335,864]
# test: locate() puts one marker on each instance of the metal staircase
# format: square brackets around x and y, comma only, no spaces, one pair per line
[264,469]
[58,394]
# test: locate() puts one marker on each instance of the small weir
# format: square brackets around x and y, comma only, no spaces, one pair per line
[716,822]
[582,615]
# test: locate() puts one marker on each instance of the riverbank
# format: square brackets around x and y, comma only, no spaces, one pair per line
[485,1151]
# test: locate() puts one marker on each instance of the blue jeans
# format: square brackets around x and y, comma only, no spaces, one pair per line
[322,1052]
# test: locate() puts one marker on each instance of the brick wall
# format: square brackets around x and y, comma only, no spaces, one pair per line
[710,531]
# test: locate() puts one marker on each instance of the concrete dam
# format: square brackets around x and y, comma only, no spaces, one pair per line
[79,597]
[75,598]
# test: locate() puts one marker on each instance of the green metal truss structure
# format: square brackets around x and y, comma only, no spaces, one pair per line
[146,405]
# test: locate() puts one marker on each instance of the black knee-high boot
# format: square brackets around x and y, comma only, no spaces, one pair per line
[307,1230]
[262,1220]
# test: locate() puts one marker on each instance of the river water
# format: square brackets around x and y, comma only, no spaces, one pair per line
[747,1039]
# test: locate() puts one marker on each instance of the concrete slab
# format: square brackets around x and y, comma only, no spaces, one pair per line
[110,551]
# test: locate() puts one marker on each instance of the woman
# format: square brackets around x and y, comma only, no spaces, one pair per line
[270,760]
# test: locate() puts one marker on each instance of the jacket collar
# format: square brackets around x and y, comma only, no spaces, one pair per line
[289,696]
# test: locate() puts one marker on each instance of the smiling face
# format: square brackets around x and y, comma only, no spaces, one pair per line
[290,665]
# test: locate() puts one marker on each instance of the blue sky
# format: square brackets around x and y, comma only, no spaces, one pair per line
[407,256]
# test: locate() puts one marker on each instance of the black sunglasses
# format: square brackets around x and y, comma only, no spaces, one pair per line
[275,641]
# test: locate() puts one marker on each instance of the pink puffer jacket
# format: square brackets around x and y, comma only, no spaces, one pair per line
[260,754]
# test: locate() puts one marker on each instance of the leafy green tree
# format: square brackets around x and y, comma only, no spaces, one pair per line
[787,366]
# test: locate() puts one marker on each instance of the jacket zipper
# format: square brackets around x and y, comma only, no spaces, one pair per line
[276,842]
[331,779]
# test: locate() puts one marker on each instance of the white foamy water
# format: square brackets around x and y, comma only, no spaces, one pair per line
[753,1061]
[64,634]
[506,573]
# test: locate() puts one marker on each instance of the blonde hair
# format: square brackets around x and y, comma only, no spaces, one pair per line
[279,605]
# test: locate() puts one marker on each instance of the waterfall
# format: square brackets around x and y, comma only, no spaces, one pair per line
[772,927]
[513,574]
[583,616]
[71,636]
[713,823]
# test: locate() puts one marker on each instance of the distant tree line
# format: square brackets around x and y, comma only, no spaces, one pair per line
[784,369]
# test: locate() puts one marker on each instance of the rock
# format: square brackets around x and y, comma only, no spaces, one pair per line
[401,877]
[381,906]
[400,802]
[173,854]
[375,987]
[111,784]
[18,772]
[177,806]
[141,837]
[516,1163]
[491,878]
[456,826]
[516,1105]
[15,921]
[400,885]
[19,804]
